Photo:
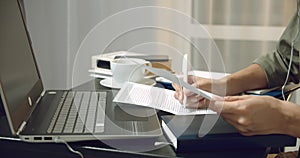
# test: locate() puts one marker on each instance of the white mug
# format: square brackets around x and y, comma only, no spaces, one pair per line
[128,69]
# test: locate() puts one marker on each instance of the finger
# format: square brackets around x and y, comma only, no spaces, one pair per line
[200,104]
[231,119]
[205,103]
[178,92]
[239,128]
[180,96]
[222,106]
[235,98]
[241,125]
[192,101]
[176,95]
[193,79]
[216,106]
[188,92]
[193,98]
[176,86]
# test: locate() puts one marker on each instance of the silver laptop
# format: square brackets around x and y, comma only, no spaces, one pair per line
[36,115]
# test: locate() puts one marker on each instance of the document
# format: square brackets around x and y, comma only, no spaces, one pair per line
[155,97]
[176,80]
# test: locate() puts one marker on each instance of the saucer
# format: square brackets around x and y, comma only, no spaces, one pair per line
[108,82]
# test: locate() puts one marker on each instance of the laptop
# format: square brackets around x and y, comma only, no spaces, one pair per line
[38,115]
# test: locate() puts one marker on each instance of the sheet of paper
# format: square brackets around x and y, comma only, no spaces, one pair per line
[176,80]
[154,97]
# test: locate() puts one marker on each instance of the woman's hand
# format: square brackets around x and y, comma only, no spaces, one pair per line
[193,100]
[252,115]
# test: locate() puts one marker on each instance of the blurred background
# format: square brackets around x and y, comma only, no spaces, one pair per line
[241,29]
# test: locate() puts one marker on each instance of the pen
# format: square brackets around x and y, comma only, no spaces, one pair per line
[185,75]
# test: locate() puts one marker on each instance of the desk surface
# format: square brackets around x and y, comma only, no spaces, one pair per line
[15,147]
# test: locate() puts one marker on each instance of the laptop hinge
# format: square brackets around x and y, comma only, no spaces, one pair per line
[43,93]
[39,98]
[21,127]
[24,122]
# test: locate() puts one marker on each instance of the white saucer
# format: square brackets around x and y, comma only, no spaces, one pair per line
[108,82]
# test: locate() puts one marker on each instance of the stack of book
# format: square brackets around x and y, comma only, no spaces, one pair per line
[211,132]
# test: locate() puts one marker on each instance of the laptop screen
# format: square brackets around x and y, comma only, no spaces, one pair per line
[20,83]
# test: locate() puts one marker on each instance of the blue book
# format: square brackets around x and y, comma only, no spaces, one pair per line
[183,133]
[276,91]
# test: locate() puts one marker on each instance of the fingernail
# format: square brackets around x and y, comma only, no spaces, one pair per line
[180,95]
[176,95]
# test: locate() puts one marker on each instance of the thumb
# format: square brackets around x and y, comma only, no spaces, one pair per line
[233,98]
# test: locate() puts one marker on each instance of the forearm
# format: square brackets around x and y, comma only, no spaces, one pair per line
[249,78]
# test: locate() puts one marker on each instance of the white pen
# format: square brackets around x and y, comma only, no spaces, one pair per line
[185,75]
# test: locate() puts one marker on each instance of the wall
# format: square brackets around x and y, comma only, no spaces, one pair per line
[58,27]
[49,38]
[242,30]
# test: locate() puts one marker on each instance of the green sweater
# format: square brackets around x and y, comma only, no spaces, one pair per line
[276,63]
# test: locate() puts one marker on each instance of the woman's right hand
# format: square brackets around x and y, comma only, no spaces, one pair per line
[193,100]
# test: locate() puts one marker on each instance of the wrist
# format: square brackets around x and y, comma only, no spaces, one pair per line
[230,88]
[219,86]
[252,77]
[291,117]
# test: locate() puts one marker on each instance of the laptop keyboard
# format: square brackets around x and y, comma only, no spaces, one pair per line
[79,112]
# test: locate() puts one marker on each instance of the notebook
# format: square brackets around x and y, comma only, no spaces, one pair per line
[38,115]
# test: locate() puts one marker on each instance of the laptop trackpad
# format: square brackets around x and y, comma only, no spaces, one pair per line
[132,113]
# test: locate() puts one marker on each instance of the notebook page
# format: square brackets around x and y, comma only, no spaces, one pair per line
[154,97]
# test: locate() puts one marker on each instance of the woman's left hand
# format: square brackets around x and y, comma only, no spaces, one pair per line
[252,115]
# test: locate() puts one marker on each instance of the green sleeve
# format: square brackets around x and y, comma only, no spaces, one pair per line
[275,64]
